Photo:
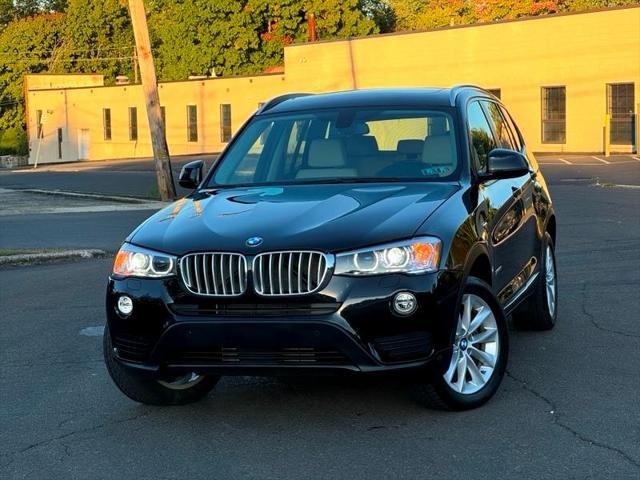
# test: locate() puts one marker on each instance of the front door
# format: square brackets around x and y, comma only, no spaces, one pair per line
[83,144]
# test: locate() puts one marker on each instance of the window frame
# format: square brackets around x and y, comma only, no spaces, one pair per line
[106,124]
[192,123]
[633,118]
[60,143]
[493,91]
[133,124]
[543,90]
[226,131]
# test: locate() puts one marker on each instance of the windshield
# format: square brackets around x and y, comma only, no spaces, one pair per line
[341,145]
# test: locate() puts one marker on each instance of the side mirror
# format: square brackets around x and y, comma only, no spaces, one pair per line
[505,163]
[191,175]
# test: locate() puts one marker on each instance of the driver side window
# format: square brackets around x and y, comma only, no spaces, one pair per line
[482,141]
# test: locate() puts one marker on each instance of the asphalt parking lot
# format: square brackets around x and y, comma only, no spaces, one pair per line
[568,407]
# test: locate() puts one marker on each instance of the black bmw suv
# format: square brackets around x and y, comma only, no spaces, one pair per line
[361,231]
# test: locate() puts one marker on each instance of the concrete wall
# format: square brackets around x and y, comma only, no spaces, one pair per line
[583,52]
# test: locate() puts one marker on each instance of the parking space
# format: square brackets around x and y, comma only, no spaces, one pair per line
[567,408]
[588,160]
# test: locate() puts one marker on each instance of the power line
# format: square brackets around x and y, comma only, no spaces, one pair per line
[64,50]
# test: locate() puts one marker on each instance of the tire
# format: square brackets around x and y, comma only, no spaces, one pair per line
[445,390]
[536,313]
[151,391]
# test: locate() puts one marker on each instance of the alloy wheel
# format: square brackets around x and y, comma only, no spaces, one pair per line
[550,281]
[476,347]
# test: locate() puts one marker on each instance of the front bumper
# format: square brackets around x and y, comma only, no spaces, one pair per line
[347,326]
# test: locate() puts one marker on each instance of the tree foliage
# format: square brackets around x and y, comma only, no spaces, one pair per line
[26,46]
[242,37]
[425,14]
[199,37]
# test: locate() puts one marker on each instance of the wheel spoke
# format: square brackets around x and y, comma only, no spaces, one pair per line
[462,373]
[486,358]
[476,376]
[466,314]
[452,366]
[479,319]
[485,336]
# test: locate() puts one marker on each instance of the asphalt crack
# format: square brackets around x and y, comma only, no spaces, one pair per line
[592,317]
[70,434]
[555,416]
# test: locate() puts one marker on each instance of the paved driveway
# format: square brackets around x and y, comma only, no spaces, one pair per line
[568,407]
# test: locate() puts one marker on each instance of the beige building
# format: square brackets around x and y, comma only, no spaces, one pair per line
[559,75]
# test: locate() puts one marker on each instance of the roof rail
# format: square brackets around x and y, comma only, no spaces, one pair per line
[455,90]
[272,102]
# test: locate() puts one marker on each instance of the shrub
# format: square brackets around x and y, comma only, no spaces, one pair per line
[13,141]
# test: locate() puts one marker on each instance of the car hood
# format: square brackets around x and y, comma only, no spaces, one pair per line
[330,217]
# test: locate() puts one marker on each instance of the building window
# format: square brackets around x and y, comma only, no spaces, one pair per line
[620,106]
[39,123]
[495,92]
[59,144]
[133,123]
[106,123]
[192,123]
[554,108]
[225,122]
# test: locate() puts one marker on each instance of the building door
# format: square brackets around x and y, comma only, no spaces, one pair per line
[620,106]
[83,144]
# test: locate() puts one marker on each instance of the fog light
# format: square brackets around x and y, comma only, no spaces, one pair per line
[125,305]
[405,303]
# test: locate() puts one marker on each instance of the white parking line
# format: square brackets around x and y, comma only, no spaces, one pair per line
[636,158]
[565,161]
[600,159]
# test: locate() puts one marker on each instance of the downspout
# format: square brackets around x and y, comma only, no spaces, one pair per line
[354,81]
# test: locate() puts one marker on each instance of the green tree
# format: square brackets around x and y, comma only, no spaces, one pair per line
[7,12]
[242,37]
[26,46]
[97,39]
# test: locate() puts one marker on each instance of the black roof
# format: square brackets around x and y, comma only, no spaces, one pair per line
[383,97]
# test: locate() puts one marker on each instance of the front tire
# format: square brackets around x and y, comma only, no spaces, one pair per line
[478,358]
[179,390]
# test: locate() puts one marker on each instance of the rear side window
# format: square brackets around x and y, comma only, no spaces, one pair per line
[482,141]
[512,128]
[500,128]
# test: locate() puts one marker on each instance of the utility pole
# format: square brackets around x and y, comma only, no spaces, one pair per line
[152,100]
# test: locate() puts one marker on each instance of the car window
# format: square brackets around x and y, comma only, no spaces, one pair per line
[482,141]
[349,143]
[389,132]
[500,129]
[512,128]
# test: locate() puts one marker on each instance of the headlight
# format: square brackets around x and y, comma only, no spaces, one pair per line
[419,255]
[132,261]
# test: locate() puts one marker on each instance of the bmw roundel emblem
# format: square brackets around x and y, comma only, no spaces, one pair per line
[254,241]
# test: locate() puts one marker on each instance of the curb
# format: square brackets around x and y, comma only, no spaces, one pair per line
[94,196]
[43,257]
